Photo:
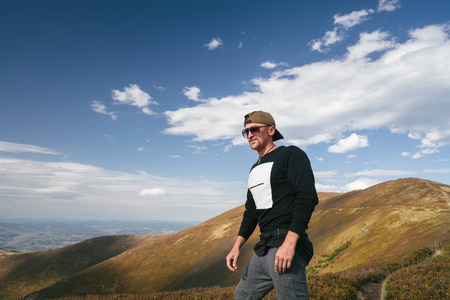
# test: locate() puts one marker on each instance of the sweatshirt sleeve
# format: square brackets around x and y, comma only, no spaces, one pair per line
[301,177]
[249,219]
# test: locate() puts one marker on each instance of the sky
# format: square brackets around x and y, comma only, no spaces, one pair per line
[134,109]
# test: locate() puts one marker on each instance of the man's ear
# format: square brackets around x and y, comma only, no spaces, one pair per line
[271,130]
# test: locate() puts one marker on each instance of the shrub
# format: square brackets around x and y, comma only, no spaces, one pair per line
[428,280]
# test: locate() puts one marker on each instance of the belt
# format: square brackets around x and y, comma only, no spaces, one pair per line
[273,233]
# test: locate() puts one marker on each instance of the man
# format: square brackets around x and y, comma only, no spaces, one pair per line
[281,197]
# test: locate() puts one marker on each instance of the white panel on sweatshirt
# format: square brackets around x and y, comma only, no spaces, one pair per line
[259,185]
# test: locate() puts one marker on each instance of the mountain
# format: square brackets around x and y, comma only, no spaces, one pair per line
[22,273]
[384,220]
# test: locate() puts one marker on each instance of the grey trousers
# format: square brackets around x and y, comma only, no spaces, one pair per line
[260,278]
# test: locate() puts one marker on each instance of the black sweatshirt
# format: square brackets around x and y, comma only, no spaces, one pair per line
[281,195]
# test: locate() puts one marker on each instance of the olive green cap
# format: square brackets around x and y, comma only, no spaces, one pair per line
[263,117]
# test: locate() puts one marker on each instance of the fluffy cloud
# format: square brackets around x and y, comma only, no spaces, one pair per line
[101,109]
[361,184]
[148,111]
[353,142]
[331,37]
[404,90]
[354,18]
[342,24]
[193,93]
[214,44]
[369,43]
[22,148]
[388,5]
[133,95]
[152,192]
[272,65]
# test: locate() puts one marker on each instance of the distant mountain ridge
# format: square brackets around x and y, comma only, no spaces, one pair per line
[387,219]
[31,235]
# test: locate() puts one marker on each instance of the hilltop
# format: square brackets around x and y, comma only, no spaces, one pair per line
[347,230]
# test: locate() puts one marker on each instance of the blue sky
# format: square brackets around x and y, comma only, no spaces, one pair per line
[133,109]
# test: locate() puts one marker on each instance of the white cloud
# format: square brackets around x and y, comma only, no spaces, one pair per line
[353,142]
[388,5]
[342,24]
[214,44]
[425,151]
[133,95]
[405,154]
[152,192]
[272,65]
[354,18]
[159,88]
[198,149]
[439,171]
[414,136]
[351,156]
[101,109]
[327,188]
[325,174]
[23,148]
[436,138]
[32,188]
[361,184]
[268,65]
[370,43]
[227,148]
[417,155]
[381,173]
[313,140]
[331,37]
[148,111]
[405,90]
[192,93]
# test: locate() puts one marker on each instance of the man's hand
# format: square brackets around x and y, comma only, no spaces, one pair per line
[233,256]
[286,252]
[283,258]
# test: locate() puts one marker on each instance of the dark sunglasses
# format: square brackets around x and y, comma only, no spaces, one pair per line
[254,130]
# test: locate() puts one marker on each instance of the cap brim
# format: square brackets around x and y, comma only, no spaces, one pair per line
[277,136]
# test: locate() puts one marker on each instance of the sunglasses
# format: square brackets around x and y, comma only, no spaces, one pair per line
[254,130]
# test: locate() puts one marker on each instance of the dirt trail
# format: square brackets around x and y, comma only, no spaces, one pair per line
[375,290]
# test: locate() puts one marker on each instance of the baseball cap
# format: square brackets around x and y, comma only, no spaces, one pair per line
[263,117]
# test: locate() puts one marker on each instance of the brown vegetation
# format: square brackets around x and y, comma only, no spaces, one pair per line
[348,230]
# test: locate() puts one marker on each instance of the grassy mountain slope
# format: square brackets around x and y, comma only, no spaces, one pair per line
[387,219]
[381,221]
[212,271]
[21,274]
[152,267]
